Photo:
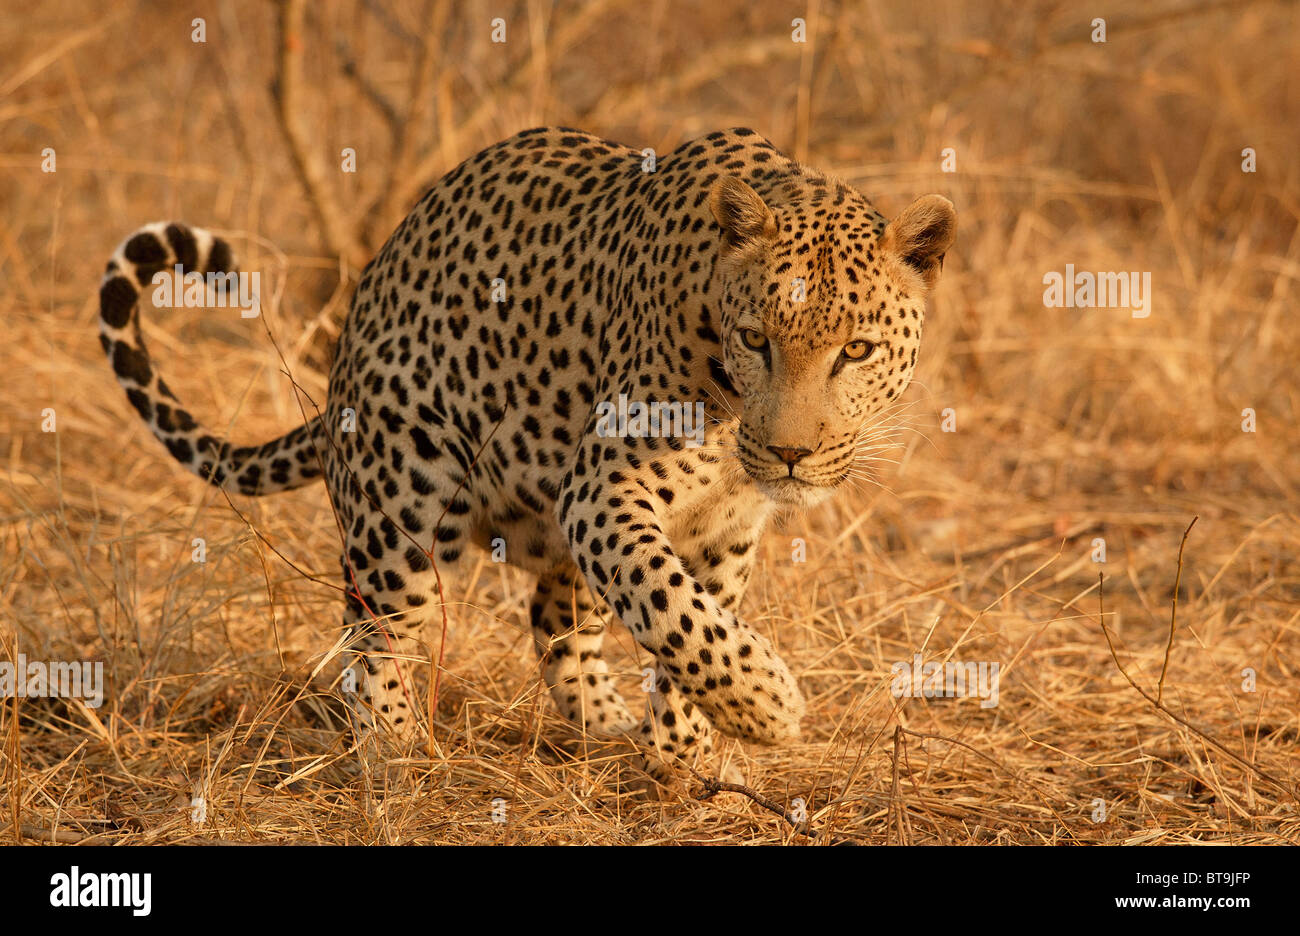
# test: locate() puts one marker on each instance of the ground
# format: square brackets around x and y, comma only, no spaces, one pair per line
[1069,426]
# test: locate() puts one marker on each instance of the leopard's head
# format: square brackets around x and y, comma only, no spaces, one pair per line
[822,306]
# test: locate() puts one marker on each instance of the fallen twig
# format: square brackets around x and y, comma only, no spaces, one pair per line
[714,786]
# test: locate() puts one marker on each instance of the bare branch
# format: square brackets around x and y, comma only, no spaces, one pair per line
[388,203]
[340,239]
[351,70]
[1173,613]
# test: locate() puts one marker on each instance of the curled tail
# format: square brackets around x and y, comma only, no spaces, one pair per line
[288,462]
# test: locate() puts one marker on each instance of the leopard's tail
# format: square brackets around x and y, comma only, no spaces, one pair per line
[288,462]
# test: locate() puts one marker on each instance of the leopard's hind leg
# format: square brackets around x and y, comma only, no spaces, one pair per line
[568,632]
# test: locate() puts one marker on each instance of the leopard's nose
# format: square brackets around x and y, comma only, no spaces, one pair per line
[790,456]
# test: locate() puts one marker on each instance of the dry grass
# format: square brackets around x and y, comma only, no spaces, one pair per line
[1071,425]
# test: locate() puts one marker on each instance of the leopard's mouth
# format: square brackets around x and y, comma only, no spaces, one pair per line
[800,485]
[792,488]
[794,491]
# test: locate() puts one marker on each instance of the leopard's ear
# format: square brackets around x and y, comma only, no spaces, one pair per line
[741,212]
[921,235]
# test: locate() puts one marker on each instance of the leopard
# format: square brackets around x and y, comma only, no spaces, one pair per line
[764,308]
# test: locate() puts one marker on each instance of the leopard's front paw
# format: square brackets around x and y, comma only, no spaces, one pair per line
[756,698]
[674,735]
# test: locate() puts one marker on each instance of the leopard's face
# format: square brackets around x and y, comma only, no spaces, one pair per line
[822,306]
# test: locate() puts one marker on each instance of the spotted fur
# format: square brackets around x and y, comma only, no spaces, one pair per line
[476,414]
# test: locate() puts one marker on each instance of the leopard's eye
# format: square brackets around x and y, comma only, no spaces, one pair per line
[754,340]
[858,350]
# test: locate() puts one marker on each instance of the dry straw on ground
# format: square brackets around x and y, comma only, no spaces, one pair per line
[1072,424]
